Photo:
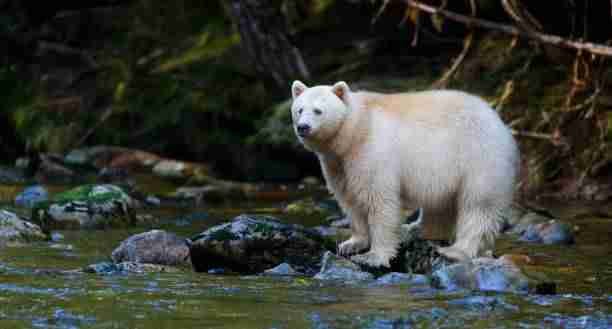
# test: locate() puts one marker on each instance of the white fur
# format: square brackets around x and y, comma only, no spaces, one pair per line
[445,151]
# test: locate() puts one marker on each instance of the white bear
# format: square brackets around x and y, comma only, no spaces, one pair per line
[444,151]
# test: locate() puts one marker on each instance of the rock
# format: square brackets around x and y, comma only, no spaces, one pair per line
[56,236]
[108,268]
[520,225]
[252,244]
[113,175]
[52,169]
[16,230]
[311,207]
[396,278]
[87,206]
[31,195]
[10,175]
[215,190]
[338,268]
[283,269]
[179,169]
[153,247]
[152,200]
[486,274]
[343,222]
[112,157]
[551,232]
[416,255]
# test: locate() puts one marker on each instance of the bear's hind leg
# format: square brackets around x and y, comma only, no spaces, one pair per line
[476,230]
[384,221]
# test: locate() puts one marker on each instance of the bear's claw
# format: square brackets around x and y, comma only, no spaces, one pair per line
[372,259]
[352,246]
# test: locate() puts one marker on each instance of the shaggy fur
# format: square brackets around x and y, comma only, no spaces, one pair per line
[445,151]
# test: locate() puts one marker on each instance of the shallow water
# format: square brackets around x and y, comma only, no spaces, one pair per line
[36,291]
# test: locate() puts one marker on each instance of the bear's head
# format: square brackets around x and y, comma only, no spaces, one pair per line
[319,112]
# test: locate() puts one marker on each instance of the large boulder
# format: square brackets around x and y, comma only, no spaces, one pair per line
[252,244]
[153,247]
[88,206]
[16,230]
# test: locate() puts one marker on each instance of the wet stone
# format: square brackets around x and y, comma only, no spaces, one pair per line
[396,278]
[252,244]
[488,274]
[16,230]
[551,232]
[108,268]
[283,269]
[336,268]
[153,247]
[31,196]
[87,206]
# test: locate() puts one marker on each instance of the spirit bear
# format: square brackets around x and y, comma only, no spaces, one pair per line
[444,151]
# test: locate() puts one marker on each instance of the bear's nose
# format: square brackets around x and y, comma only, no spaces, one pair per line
[303,129]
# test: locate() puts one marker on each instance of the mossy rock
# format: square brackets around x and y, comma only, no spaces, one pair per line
[16,230]
[87,206]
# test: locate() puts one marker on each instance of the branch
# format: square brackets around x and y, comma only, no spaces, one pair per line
[593,48]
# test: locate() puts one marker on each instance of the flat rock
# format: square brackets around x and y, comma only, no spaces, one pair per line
[87,206]
[153,247]
[252,244]
[336,268]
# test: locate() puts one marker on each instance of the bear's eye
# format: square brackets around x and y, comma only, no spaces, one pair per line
[300,111]
[318,112]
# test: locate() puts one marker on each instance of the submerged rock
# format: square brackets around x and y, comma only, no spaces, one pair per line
[108,268]
[487,274]
[396,278]
[31,196]
[252,244]
[88,206]
[153,247]
[338,268]
[16,230]
[551,232]
[283,269]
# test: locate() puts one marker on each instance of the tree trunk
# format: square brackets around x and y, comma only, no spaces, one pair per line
[263,30]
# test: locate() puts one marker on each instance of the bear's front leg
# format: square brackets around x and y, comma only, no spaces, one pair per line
[384,218]
[359,240]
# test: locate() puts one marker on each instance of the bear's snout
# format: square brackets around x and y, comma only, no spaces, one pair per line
[303,129]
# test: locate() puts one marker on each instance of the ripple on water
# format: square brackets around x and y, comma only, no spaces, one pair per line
[62,319]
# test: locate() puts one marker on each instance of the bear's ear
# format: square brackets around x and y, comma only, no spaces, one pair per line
[297,88]
[341,89]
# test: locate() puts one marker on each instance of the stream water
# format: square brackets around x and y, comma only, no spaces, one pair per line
[36,291]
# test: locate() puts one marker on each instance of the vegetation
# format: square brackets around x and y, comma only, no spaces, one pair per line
[184,79]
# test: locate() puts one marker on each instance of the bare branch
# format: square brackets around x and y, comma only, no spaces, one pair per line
[593,48]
